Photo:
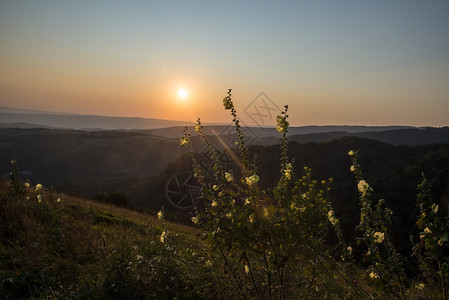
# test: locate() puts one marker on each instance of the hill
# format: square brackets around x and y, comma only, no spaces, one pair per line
[85,163]
[29,118]
[267,132]
[393,172]
[35,118]
[55,246]
[22,125]
[61,247]
[396,137]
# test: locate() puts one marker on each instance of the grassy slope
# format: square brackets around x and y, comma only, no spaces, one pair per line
[86,250]
[92,250]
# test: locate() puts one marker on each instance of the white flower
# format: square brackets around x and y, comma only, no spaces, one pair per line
[227,102]
[363,187]
[58,200]
[434,208]
[288,171]
[164,236]
[252,218]
[331,217]
[228,177]
[246,269]
[184,141]
[195,220]
[27,184]
[252,179]
[349,249]
[39,198]
[38,187]
[247,201]
[160,215]
[282,124]
[352,169]
[379,237]
[420,286]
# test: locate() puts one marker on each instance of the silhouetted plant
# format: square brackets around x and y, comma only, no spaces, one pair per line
[271,241]
[433,238]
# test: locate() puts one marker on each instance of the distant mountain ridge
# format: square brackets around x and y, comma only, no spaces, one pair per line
[22,118]
[14,110]
[29,118]
[396,137]
[266,132]
[22,125]
[393,135]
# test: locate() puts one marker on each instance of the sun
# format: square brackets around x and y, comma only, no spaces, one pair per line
[182,93]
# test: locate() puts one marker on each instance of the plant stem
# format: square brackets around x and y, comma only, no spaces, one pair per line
[251,275]
[232,270]
[268,274]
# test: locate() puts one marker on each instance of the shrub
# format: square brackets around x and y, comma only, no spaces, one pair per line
[272,241]
[278,243]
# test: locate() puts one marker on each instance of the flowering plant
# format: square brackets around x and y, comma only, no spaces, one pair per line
[274,242]
[258,233]
[432,238]
[385,264]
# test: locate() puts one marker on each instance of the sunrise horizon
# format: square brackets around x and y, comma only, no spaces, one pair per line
[28,110]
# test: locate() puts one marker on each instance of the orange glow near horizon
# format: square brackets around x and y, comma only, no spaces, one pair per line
[157,60]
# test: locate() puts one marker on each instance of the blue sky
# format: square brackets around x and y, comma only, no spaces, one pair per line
[333,62]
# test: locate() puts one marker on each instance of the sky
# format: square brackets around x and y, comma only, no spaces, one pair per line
[333,62]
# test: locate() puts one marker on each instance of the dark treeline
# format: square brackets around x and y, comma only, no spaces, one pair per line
[392,171]
[138,165]
[85,163]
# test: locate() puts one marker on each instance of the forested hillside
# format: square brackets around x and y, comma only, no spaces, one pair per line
[393,173]
[85,163]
